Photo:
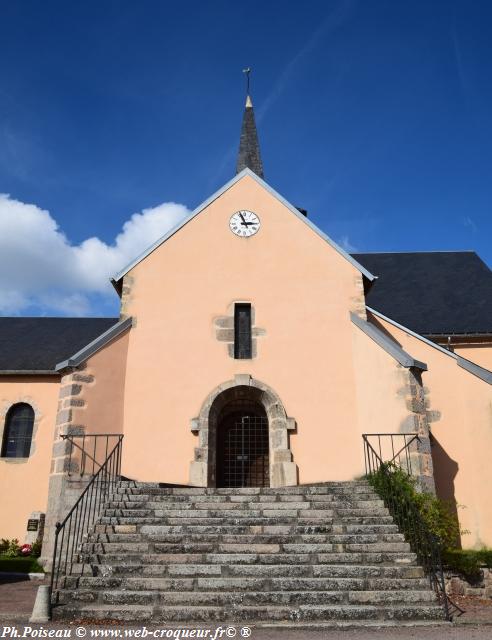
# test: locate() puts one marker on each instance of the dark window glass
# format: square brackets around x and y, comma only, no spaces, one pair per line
[17,434]
[242,331]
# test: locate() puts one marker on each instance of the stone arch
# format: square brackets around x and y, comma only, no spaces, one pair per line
[283,471]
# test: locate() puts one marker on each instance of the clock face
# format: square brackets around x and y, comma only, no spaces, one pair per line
[244,223]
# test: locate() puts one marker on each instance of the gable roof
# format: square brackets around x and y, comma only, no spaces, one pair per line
[432,293]
[245,172]
[36,345]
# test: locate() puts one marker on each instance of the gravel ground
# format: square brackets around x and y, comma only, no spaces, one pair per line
[390,633]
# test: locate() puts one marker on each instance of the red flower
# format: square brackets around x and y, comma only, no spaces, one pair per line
[26,549]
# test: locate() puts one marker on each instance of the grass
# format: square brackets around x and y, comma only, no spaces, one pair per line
[20,565]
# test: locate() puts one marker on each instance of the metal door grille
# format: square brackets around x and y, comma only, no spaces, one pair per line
[243,458]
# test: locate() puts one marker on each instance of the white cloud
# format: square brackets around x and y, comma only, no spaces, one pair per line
[40,268]
[468,222]
[345,243]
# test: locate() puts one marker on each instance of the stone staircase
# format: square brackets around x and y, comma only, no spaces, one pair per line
[326,554]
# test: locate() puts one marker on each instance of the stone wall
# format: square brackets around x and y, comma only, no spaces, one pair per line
[458,585]
[418,422]
[65,484]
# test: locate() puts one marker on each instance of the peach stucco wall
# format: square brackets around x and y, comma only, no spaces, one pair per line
[381,390]
[24,482]
[481,355]
[103,405]
[301,290]
[460,410]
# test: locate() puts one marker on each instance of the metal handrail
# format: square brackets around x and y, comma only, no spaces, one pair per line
[89,451]
[71,532]
[403,440]
[426,545]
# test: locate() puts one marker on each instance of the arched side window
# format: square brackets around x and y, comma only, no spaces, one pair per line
[17,434]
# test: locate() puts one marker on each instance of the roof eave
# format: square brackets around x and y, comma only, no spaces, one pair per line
[468,365]
[94,346]
[385,342]
[29,372]
[475,369]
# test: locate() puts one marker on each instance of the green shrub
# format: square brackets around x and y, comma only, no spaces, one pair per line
[36,549]
[12,549]
[19,565]
[485,557]
[439,515]
[468,562]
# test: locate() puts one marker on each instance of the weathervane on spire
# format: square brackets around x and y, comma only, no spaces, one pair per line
[247,71]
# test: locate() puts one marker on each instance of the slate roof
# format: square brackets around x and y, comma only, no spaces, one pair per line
[249,147]
[38,344]
[432,293]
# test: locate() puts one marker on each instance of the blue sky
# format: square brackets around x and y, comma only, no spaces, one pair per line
[373,115]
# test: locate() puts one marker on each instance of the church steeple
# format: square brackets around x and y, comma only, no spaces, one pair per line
[249,147]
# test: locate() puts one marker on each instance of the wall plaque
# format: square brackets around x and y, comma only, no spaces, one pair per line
[32,525]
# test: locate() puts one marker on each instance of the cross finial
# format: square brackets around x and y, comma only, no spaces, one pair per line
[247,71]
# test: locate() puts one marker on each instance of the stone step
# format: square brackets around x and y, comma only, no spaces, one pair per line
[287,529]
[270,581]
[126,562]
[264,521]
[350,485]
[107,539]
[245,505]
[114,550]
[249,516]
[298,613]
[342,570]
[315,554]
[247,597]
[177,516]
[167,505]
[129,496]
[99,543]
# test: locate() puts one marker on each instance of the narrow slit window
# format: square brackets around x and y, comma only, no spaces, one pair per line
[242,331]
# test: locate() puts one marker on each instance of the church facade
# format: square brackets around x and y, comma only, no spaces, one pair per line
[251,350]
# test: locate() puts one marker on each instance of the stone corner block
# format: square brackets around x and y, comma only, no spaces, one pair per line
[198,474]
[64,416]
[195,424]
[243,379]
[291,424]
[284,474]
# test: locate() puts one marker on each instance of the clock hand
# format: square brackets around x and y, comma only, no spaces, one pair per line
[244,223]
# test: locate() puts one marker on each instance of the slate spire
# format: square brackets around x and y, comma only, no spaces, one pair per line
[249,147]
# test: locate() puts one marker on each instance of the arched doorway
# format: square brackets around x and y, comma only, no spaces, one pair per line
[243,446]
[242,394]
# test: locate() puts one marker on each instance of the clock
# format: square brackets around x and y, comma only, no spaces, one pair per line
[244,223]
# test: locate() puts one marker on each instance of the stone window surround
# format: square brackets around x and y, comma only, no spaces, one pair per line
[224,328]
[3,416]
[283,471]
